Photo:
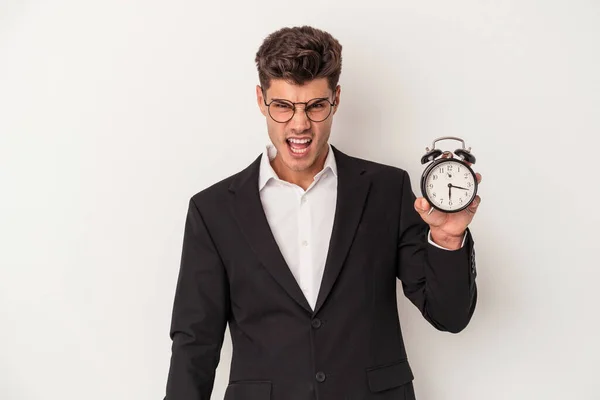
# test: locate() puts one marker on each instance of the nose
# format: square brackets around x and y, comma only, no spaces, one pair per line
[299,122]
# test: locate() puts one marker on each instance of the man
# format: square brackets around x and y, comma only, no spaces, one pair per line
[299,253]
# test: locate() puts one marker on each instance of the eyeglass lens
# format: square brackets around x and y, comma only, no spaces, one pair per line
[316,110]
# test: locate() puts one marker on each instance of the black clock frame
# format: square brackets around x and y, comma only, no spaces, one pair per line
[435,164]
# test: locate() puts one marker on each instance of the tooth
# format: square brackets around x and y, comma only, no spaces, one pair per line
[299,140]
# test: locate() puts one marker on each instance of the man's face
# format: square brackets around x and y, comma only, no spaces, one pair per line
[299,157]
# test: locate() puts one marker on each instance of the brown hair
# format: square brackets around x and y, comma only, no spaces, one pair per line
[299,55]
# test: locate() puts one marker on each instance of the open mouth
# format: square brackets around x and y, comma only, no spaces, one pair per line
[299,146]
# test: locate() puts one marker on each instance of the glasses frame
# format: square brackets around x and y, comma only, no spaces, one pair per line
[294,108]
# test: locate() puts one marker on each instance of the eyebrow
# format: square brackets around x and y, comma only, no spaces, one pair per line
[319,98]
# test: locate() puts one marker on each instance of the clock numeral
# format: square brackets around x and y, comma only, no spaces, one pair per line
[458,169]
[435,177]
[466,194]
[460,200]
[449,168]
[466,175]
[431,186]
[434,195]
[450,202]
[441,170]
[468,184]
[441,201]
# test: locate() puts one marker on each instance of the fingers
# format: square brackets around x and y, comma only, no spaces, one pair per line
[478,175]
[472,209]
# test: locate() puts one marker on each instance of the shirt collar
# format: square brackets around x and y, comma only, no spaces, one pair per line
[267,172]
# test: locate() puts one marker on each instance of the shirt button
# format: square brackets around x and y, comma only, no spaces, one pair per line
[316,323]
[303,200]
[320,376]
[304,243]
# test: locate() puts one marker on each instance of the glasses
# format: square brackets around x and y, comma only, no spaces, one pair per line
[317,110]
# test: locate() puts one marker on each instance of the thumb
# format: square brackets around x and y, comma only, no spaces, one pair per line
[422,205]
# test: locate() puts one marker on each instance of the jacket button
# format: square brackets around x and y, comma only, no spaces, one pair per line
[320,376]
[316,323]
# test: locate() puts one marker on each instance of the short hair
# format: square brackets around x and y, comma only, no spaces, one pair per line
[299,55]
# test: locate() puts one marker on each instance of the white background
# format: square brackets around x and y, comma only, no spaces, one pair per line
[113,113]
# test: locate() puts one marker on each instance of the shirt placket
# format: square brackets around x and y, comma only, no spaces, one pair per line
[304,229]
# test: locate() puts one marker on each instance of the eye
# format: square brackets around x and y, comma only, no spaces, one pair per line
[281,105]
[316,106]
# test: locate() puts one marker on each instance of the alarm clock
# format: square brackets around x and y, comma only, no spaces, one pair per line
[448,184]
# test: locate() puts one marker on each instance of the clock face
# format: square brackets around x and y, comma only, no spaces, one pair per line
[449,185]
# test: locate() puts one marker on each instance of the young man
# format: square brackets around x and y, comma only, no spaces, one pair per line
[300,253]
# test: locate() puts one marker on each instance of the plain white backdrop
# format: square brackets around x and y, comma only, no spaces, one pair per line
[113,113]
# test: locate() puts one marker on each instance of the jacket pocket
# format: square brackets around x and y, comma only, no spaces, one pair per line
[248,390]
[389,376]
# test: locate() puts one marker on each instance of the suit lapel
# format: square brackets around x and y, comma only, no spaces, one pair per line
[353,187]
[249,213]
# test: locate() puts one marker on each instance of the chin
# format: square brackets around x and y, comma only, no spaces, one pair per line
[299,165]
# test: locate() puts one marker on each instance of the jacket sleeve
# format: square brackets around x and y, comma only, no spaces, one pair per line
[439,282]
[200,314]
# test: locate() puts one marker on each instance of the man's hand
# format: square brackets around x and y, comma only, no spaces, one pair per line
[448,229]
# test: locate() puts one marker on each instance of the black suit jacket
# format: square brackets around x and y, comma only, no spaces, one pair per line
[350,346]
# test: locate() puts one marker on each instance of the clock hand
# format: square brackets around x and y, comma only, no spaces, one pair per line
[458,187]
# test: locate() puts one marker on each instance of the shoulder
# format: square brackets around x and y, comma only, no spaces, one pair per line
[216,194]
[375,170]
[213,194]
[386,180]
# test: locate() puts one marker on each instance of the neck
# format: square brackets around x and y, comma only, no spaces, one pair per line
[301,178]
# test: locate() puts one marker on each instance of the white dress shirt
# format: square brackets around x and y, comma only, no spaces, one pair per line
[302,221]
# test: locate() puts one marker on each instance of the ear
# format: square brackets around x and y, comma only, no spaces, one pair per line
[260,100]
[337,93]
